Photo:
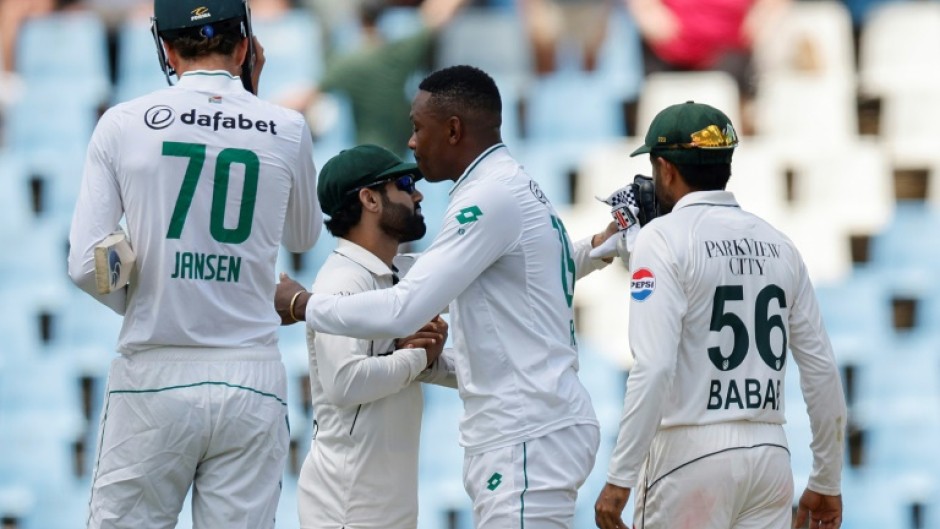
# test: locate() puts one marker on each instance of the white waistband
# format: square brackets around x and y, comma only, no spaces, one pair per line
[679,444]
[206,354]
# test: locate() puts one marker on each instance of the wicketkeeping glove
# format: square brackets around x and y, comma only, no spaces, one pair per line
[631,206]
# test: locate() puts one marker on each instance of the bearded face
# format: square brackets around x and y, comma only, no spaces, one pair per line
[401,222]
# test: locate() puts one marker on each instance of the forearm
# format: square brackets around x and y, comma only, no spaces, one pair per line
[358,379]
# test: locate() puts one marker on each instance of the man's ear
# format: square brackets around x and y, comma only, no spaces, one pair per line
[370,200]
[241,51]
[454,130]
[172,56]
[667,171]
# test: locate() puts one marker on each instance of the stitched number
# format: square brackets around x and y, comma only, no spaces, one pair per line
[763,327]
[722,319]
[567,263]
[220,189]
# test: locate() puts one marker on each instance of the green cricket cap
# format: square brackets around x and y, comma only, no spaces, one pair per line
[183,14]
[690,133]
[357,167]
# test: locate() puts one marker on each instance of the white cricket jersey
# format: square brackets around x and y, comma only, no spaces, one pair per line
[362,469]
[718,296]
[210,180]
[504,264]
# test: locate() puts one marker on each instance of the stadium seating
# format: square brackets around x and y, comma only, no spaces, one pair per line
[669,88]
[814,38]
[896,48]
[805,168]
[620,59]
[493,40]
[294,53]
[65,49]
[572,105]
[138,71]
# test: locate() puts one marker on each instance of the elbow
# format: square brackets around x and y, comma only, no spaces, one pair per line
[340,389]
[339,398]
[77,273]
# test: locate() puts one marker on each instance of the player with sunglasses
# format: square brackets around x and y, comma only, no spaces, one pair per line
[362,468]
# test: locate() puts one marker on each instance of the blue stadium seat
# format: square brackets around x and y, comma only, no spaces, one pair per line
[399,22]
[553,165]
[572,105]
[909,247]
[493,40]
[42,124]
[293,50]
[15,206]
[440,461]
[334,126]
[620,60]
[857,315]
[138,70]
[86,325]
[65,49]
[898,398]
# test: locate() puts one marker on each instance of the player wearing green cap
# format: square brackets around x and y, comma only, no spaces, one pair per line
[504,265]
[209,181]
[718,296]
[362,469]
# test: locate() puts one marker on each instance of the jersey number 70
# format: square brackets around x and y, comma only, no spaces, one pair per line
[227,157]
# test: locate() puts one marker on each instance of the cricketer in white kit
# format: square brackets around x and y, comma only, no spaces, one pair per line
[718,297]
[505,266]
[210,181]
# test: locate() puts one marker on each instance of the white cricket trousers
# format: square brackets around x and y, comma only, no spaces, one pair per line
[531,485]
[719,476]
[176,417]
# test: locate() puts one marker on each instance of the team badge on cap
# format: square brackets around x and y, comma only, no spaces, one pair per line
[642,284]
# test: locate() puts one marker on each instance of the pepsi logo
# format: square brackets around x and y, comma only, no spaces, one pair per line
[642,284]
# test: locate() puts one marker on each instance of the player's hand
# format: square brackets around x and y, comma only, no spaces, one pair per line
[258,65]
[284,294]
[431,338]
[823,512]
[605,244]
[609,507]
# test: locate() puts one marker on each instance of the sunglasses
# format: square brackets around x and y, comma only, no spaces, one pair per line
[404,183]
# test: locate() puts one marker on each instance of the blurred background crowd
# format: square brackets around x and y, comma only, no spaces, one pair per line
[837,103]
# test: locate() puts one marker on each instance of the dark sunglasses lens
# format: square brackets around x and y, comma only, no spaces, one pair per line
[406,184]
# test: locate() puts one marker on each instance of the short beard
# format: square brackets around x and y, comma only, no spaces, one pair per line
[400,223]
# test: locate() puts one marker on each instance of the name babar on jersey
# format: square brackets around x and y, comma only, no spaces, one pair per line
[755,384]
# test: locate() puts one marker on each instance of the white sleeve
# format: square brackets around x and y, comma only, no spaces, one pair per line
[443,372]
[351,376]
[822,388]
[583,263]
[655,328]
[459,254]
[350,373]
[304,219]
[98,210]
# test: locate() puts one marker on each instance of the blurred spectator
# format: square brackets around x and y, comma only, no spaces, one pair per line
[692,35]
[553,25]
[12,15]
[374,77]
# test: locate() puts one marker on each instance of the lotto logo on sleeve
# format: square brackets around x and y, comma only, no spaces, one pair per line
[642,284]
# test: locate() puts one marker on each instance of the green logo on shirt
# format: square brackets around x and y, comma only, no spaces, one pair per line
[468,215]
[495,479]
